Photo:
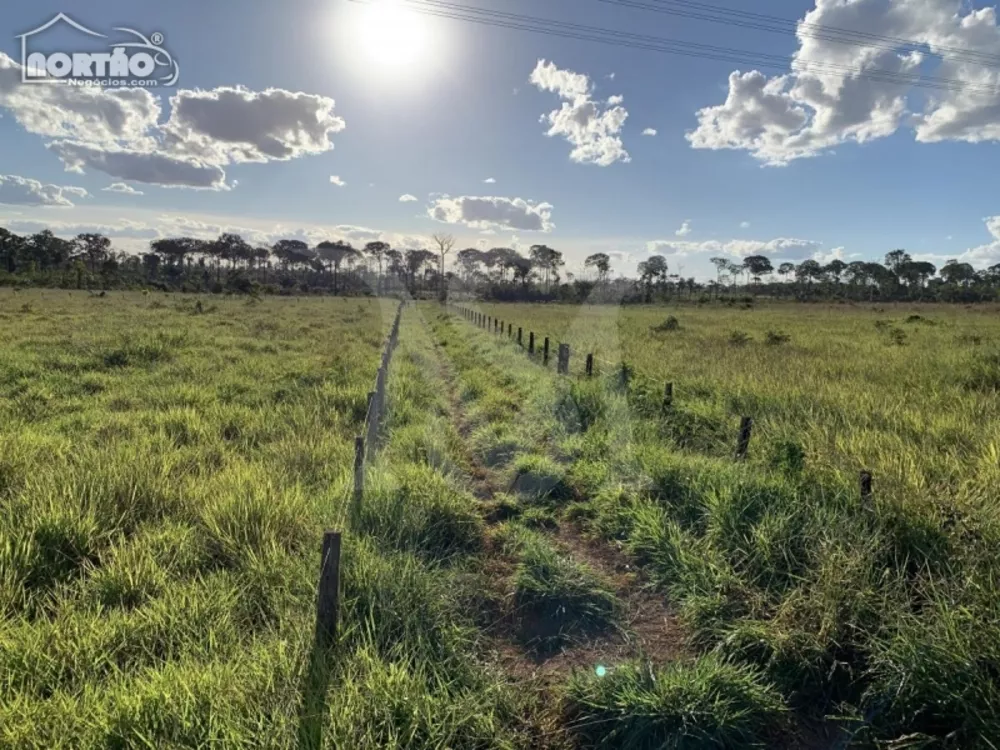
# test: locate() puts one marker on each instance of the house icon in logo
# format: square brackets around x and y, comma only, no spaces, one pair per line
[35,70]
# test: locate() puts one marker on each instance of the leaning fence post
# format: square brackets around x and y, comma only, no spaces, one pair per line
[743,441]
[359,468]
[865,481]
[328,602]
[545,351]
[531,342]
[668,395]
[590,365]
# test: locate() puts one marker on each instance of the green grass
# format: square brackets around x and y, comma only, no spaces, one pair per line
[864,612]
[165,474]
[556,598]
[705,704]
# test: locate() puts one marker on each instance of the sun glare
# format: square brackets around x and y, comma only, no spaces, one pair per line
[392,39]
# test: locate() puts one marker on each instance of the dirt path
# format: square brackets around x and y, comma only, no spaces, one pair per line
[648,629]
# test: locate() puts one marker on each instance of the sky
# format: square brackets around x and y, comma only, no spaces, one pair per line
[361,121]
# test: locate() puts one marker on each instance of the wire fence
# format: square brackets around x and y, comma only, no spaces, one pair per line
[366,446]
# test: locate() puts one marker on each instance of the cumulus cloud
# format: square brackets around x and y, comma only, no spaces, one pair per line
[336,180]
[88,113]
[685,229]
[123,228]
[988,254]
[151,167]
[407,198]
[490,212]
[828,97]
[489,181]
[744,225]
[234,124]
[121,187]
[782,247]
[24,191]
[593,129]
[649,131]
[119,132]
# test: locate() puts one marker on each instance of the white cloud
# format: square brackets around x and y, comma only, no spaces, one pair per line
[489,212]
[615,100]
[594,131]
[235,124]
[336,180]
[836,253]
[86,113]
[489,181]
[407,198]
[824,101]
[782,247]
[685,229]
[744,225]
[121,187]
[151,167]
[118,131]
[24,191]
[649,131]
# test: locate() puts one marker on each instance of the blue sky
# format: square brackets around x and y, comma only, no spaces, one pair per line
[780,171]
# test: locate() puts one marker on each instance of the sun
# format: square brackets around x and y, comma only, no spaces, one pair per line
[390,38]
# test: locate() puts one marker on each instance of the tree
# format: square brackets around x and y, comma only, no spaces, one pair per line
[335,253]
[414,260]
[602,263]
[652,270]
[809,270]
[292,253]
[378,251]
[469,261]
[445,243]
[94,247]
[721,267]
[960,274]
[758,265]
[548,260]
[786,268]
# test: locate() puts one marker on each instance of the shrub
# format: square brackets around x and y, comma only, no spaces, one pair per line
[739,338]
[776,338]
[670,324]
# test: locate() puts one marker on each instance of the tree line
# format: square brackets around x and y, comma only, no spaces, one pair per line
[227,263]
[231,264]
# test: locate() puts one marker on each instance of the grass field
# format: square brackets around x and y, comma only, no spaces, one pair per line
[538,561]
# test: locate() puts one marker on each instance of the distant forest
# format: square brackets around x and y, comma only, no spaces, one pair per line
[230,264]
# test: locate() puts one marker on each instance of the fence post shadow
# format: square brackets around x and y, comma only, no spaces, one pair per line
[313,690]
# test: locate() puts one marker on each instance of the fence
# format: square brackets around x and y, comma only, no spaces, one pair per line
[626,373]
[366,446]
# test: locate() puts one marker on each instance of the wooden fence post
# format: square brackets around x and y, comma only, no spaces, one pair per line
[865,481]
[519,340]
[743,441]
[668,395]
[359,468]
[328,601]
[563,366]
[531,342]
[625,375]
[590,365]
[545,352]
